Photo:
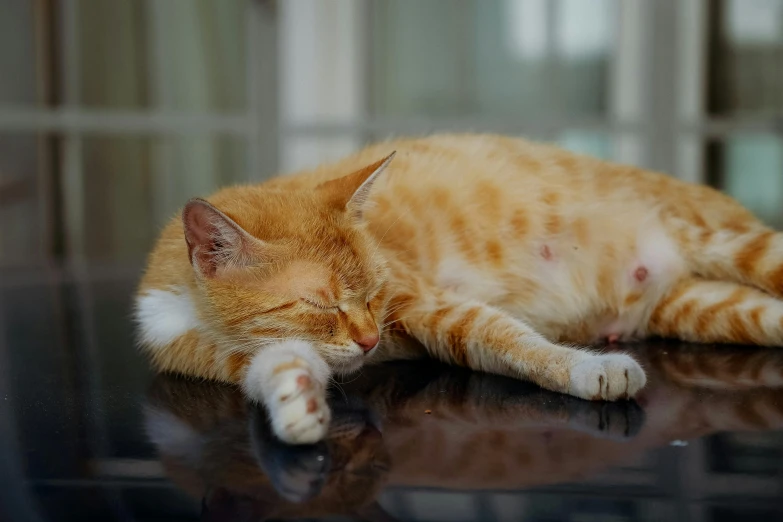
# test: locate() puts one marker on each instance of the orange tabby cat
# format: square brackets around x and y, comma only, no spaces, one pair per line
[490,251]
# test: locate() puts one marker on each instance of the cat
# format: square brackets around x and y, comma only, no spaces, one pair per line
[481,432]
[494,253]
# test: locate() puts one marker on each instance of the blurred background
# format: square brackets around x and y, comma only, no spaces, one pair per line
[114,112]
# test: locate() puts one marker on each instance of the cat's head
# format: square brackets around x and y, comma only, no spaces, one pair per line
[293,264]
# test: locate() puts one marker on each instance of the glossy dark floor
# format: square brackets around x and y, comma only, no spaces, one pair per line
[88,433]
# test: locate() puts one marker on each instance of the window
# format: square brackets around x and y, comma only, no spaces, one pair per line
[745,104]
[114,115]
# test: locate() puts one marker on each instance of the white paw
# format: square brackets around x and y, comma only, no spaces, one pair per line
[606,377]
[297,406]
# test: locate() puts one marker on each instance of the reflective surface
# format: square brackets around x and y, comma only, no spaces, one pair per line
[88,433]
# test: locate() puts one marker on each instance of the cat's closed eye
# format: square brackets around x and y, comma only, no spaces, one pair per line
[318,305]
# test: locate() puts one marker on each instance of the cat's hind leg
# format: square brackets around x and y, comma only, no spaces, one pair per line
[705,311]
[478,336]
[748,253]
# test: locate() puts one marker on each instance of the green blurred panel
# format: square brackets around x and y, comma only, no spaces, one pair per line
[418,57]
[186,55]
[537,58]
[18,54]
[133,185]
[591,143]
[747,64]
[753,174]
[492,58]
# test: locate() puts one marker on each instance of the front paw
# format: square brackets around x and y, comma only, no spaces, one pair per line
[297,408]
[606,377]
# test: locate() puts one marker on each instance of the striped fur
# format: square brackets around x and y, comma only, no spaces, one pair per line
[719,312]
[495,253]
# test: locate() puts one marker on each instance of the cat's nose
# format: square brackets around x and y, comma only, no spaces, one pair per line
[368,341]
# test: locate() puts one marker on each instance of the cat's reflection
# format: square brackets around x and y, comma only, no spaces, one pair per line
[353,458]
[213,444]
[421,424]
[216,446]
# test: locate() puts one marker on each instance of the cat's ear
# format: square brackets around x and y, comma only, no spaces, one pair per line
[215,240]
[352,191]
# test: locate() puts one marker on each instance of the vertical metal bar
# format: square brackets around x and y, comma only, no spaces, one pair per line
[251,83]
[714,155]
[72,162]
[628,89]
[692,67]
[372,34]
[263,72]
[362,44]
[163,191]
[466,45]
[663,77]
[48,183]
[553,60]
[358,46]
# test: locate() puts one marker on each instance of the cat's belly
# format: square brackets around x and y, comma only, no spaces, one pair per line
[585,296]
[610,328]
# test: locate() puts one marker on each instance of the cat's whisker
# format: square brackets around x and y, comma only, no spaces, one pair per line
[387,323]
[339,386]
[397,320]
[391,311]
[394,311]
[358,375]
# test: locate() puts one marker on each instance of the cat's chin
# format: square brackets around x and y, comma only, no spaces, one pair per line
[347,366]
